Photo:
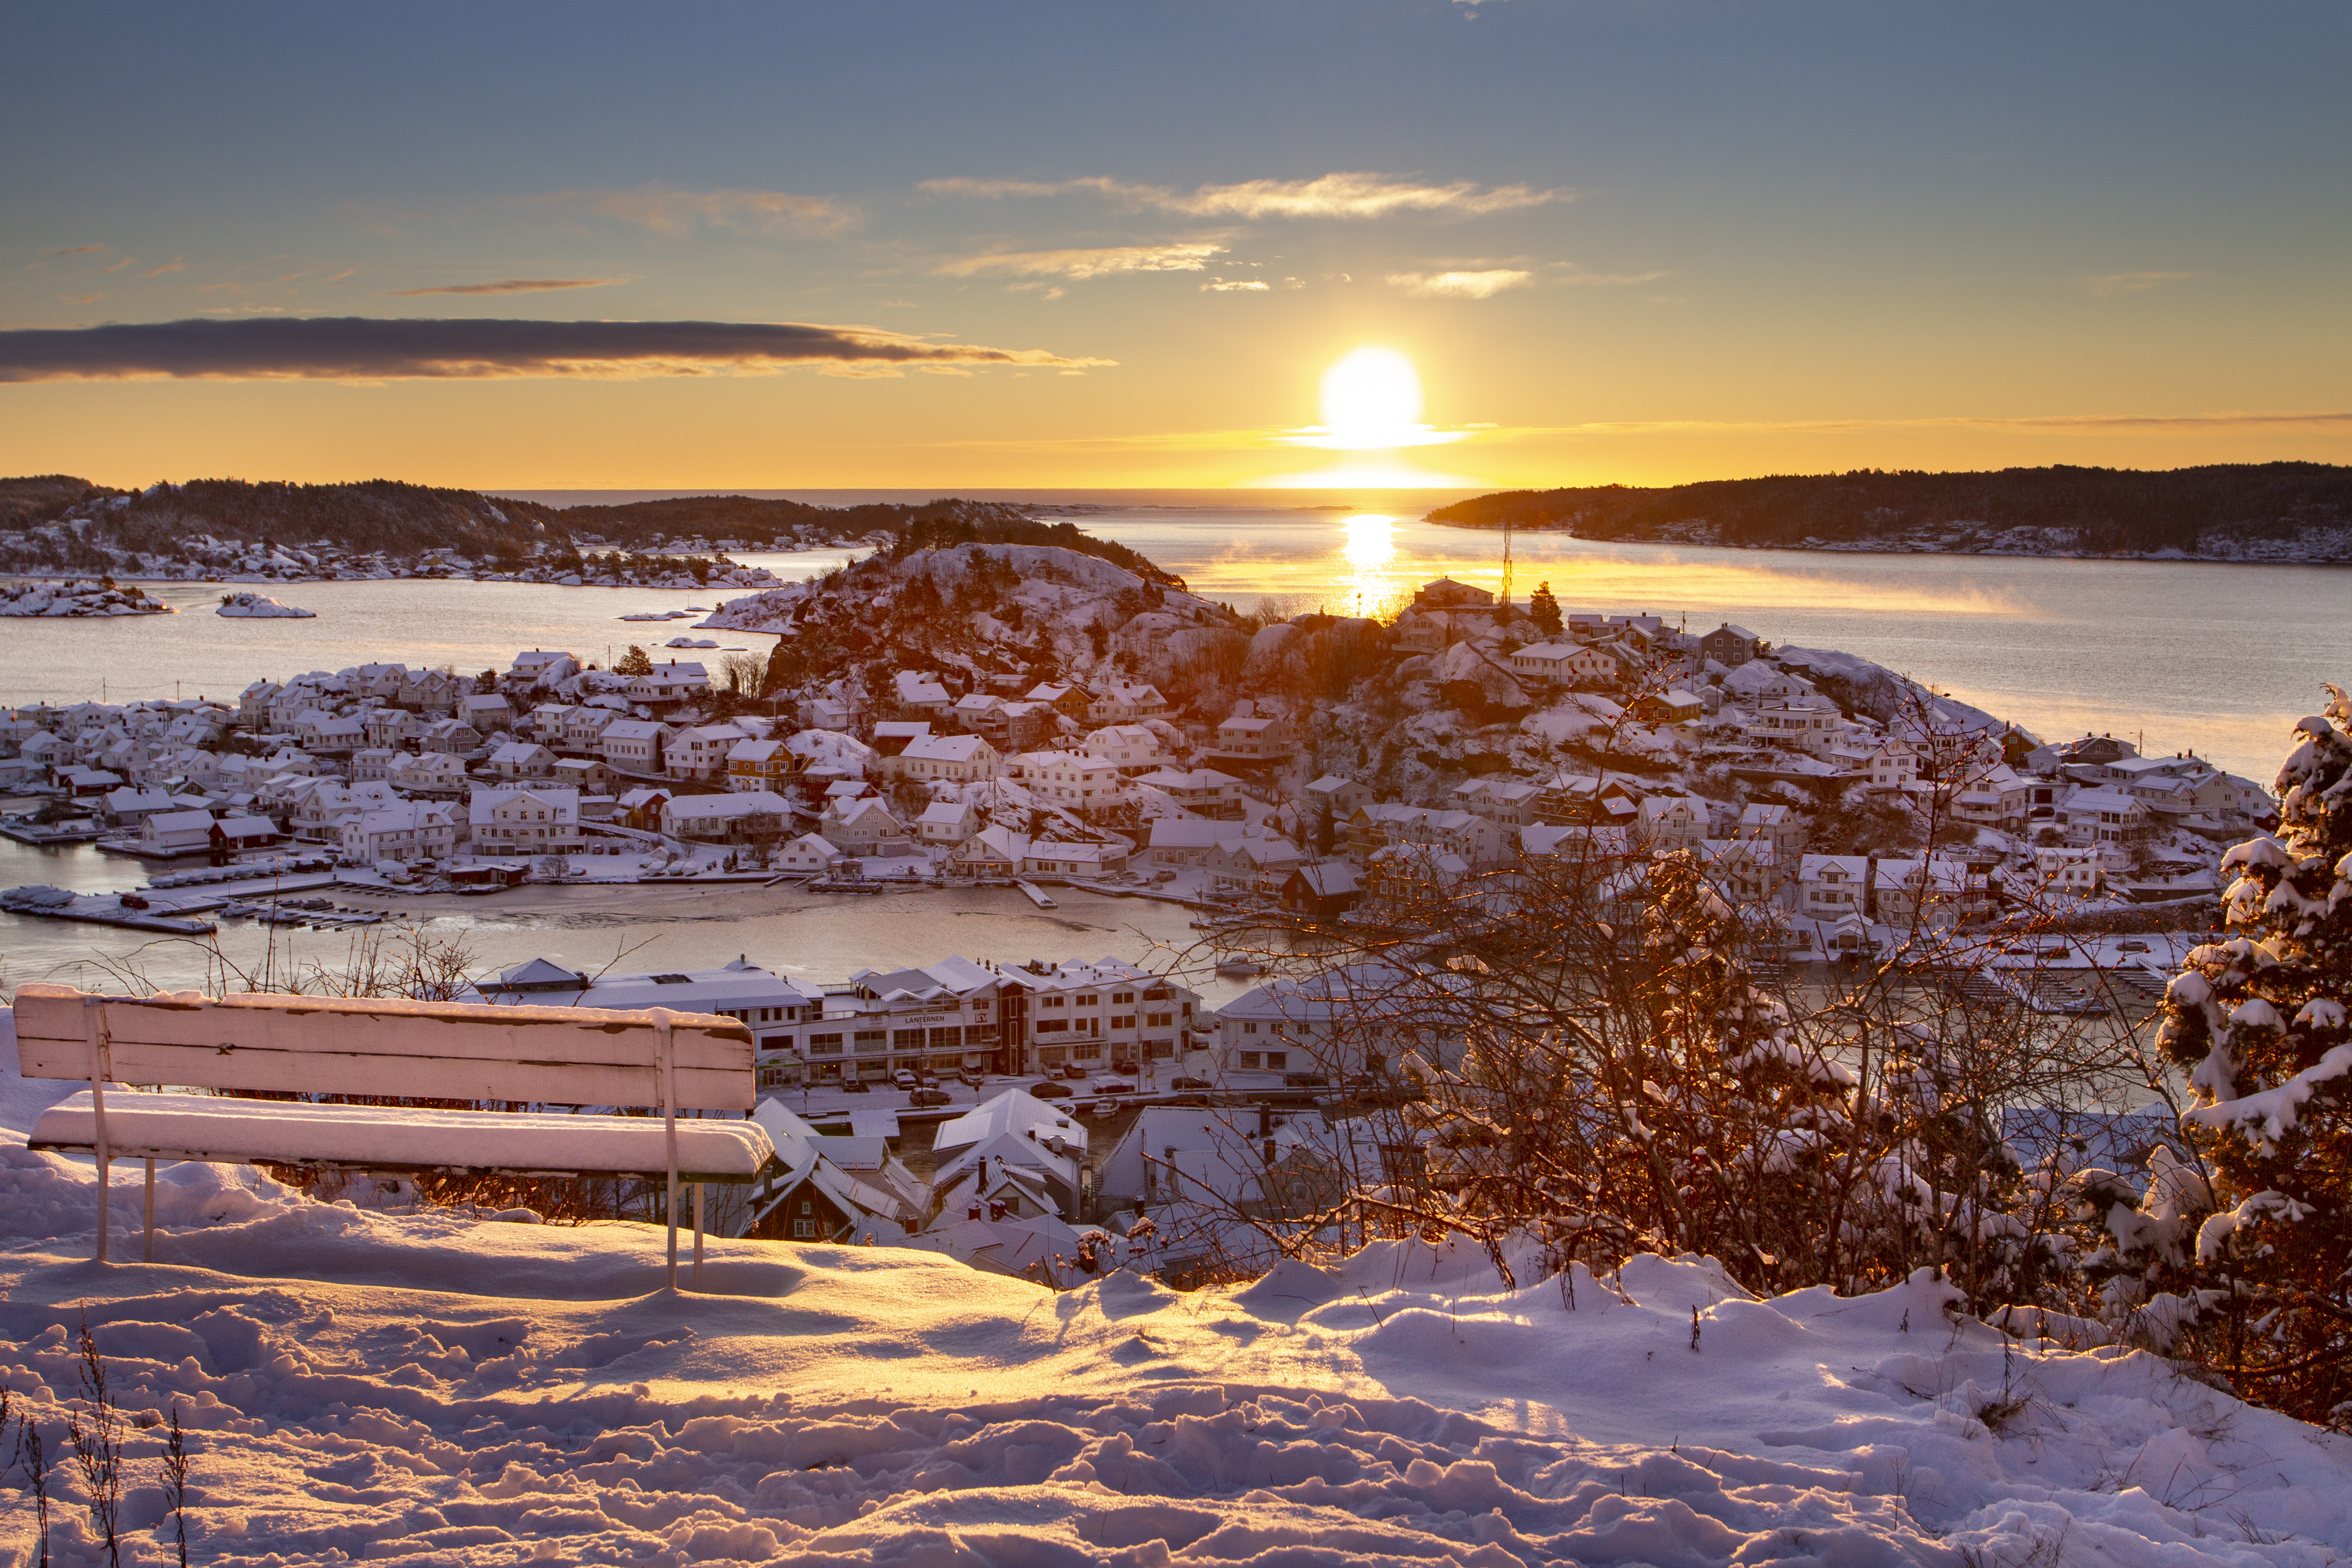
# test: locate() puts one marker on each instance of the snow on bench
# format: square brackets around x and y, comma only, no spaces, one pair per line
[395,1048]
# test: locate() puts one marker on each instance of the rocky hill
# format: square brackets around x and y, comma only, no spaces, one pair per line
[979,612]
[2270,512]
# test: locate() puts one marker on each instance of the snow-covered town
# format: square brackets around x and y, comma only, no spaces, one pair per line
[1473,737]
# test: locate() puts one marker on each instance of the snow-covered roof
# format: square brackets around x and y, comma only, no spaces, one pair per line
[1012,1114]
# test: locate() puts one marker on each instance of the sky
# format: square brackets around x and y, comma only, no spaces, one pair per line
[1123,245]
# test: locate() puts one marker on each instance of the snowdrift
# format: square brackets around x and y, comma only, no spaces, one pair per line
[436,1386]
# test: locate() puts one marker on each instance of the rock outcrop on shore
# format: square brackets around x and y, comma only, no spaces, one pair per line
[79,599]
[261,607]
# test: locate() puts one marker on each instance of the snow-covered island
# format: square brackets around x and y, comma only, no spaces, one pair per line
[77,597]
[261,607]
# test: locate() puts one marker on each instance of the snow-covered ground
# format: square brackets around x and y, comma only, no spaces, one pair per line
[438,1387]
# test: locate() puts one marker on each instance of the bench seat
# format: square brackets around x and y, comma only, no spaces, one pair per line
[222,1131]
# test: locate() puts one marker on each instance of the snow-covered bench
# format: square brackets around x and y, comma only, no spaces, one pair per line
[387,1048]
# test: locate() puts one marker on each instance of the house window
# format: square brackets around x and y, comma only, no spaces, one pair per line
[804,1230]
[1249,1028]
[1122,1022]
[1249,1058]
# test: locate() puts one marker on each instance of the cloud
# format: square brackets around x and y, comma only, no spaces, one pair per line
[1235,286]
[1184,256]
[504,286]
[2137,282]
[353,348]
[81,299]
[167,267]
[1574,276]
[1481,285]
[676,213]
[77,251]
[1334,195]
[126,261]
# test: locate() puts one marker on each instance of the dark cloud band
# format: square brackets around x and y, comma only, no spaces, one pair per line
[372,349]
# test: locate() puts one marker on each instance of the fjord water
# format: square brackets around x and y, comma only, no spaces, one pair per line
[2222,659]
[2219,658]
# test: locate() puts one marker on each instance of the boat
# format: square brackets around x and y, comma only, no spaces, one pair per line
[1240,966]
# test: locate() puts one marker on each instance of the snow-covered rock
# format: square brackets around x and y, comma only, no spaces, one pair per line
[77,599]
[261,607]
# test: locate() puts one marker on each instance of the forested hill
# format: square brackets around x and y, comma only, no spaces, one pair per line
[57,522]
[2281,511]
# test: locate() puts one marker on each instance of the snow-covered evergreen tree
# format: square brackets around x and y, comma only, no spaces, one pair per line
[1544,610]
[2259,1021]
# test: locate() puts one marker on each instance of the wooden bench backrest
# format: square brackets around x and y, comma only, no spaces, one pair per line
[423,1050]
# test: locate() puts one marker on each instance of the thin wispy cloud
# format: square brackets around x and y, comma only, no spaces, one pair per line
[677,213]
[1078,264]
[1569,274]
[126,261]
[354,348]
[81,299]
[1333,195]
[2139,282]
[1235,286]
[167,267]
[1479,285]
[77,250]
[504,286]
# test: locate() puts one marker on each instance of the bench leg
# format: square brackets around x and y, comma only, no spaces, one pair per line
[151,1210]
[698,1236]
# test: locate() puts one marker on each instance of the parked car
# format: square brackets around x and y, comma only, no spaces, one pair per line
[1105,1107]
[1050,1090]
[1126,1069]
[1304,1080]
[930,1097]
[1111,1086]
[856,1085]
[1071,1070]
[906,1079]
[1188,1083]
[970,1080]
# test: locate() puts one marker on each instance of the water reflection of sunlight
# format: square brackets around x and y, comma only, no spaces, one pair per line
[1371,541]
[1370,555]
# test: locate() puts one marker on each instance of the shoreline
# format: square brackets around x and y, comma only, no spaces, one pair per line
[1909,547]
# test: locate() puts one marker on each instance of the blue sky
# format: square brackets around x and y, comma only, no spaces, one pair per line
[1639,241]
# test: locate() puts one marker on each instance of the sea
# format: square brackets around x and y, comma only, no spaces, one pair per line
[2220,659]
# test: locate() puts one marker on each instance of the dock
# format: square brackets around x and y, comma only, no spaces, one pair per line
[1037,895]
[94,909]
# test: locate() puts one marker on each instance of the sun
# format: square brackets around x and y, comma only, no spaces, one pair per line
[1371,400]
